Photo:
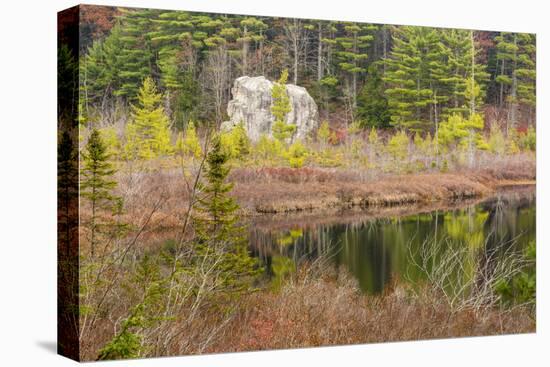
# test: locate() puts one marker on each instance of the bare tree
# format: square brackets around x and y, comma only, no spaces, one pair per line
[295,43]
[216,81]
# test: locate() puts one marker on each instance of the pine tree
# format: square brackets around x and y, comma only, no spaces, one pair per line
[148,134]
[526,74]
[100,77]
[352,54]
[465,77]
[251,30]
[372,102]
[97,183]
[135,58]
[240,141]
[415,72]
[516,53]
[67,76]
[219,237]
[280,108]
[67,189]
[178,53]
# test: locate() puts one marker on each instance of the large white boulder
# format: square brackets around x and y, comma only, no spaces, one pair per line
[251,105]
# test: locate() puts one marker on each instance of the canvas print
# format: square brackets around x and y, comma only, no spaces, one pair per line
[232,183]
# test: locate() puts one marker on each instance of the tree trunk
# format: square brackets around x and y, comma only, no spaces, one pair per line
[245,50]
[501,96]
[261,50]
[513,94]
[295,59]
[320,52]
[354,79]
[473,76]
[384,50]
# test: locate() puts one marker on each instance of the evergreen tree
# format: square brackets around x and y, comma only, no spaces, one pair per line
[135,58]
[240,143]
[415,71]
[372,102]
[516,53]
[67,189]
[352,55]
[67,87]
[96,183]
[219,237]
[251,30]
[100,77]
[178,56]
[465,77]
[280,108]
[148,134]
[115,66]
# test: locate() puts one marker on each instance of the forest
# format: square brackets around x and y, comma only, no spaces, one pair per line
[195,238]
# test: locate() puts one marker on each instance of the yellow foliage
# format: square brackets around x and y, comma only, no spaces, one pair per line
[398,145]
[268,149]
[297,154]
[111,141]
[189,144]
[497,141]
[323,133]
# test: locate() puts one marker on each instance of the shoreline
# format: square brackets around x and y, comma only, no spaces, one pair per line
[288,220]
[395,193]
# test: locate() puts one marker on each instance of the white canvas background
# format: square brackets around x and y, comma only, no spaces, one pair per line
[28,181]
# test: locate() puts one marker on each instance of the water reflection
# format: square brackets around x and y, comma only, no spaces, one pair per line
[377,251]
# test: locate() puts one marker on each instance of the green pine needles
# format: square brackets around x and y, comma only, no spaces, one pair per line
[280,108]
[96,183]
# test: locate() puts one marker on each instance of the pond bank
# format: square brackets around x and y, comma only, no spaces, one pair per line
[265,196]
[331,216]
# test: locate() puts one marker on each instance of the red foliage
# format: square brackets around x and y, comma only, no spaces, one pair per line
[100,19]
[338,136]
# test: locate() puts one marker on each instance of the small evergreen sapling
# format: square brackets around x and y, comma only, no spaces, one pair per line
[280,108]
[97,183]
[220,239]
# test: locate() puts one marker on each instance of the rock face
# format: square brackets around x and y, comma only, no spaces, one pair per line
[251,104]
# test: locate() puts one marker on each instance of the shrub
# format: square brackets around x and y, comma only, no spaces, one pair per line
[528,140]
[297,154]
[189,144]
[398,145]
[111,140]
[521,289]
[268,149]
[236,142]
[497,142]
[323,133]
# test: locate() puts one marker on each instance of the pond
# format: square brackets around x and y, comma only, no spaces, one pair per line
[379,248]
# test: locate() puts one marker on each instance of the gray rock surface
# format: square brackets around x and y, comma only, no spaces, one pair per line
[252,101]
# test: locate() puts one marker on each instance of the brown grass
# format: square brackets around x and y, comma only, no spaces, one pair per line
[276,195]
[330,310]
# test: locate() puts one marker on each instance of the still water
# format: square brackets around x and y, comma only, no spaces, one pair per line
[380,250]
